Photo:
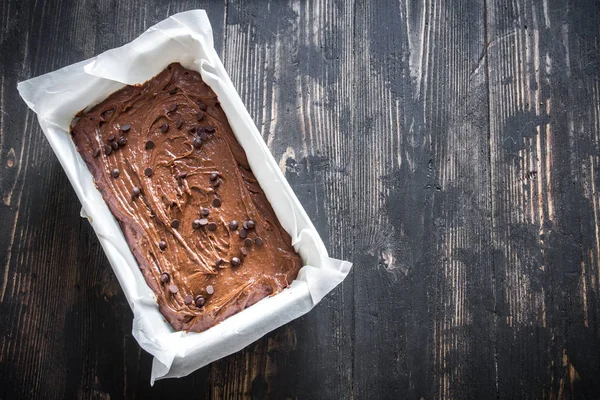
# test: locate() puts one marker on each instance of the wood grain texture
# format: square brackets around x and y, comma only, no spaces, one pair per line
[451,150]
[426,275]
[543,59]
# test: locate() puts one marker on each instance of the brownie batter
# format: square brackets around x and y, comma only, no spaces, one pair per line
[171,171]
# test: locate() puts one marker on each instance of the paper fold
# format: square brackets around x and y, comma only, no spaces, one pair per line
[186,38]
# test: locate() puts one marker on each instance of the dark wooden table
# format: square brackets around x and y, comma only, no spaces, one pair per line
[451,150]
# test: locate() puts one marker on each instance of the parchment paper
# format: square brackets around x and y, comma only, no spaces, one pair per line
[187,38]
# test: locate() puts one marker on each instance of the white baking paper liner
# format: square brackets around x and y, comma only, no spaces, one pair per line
[186,38]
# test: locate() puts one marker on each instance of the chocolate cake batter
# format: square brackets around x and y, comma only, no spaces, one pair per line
[171,171]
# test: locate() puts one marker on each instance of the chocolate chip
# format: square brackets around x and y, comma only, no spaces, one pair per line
[111,138]
[173,289]
[122,141]
[162,245]
[204,212]
[148,172]
[235,261]
[114,145]
[165,277]
[213,176]
[219,262]
[244,250]
[203,222]
[250,224]
[248,242]
[243,233]
[217,184]
[200,116]
[199,301]
[173,91]
[192,129]
[115,173]
[197,143]
[125,127]
[175,224]
[212,226]
[188,299]
[107,150]
[233,225]
[216,202]
[172,108]
[202,106]
[149,145]
[179,123]
[196,224]
[96,153]
[210,129]
[136,192]
[203,135]
[164,128]
[210,289]
[258,241]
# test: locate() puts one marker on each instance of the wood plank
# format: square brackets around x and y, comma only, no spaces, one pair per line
[423,279]
[543,68]
[65,327]
[291,63]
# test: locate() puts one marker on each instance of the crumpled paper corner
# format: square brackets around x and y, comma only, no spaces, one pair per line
[186,38]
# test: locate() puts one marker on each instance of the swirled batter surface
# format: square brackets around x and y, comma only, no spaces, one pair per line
[171,171]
